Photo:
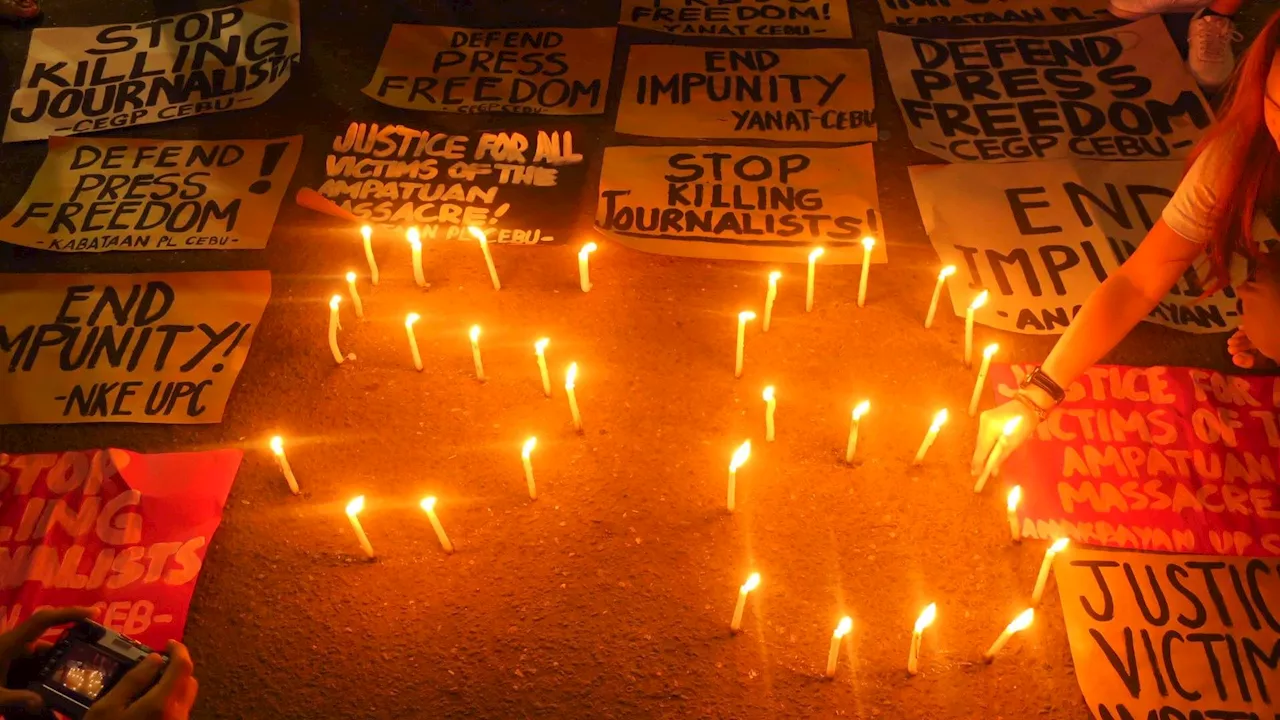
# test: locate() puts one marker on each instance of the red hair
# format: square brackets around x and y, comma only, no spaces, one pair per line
[1246,159]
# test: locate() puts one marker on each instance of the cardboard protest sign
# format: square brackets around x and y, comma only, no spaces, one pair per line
[1118,94]
[1172,636]
[142,348]
[741,18]
[984,12]
[741,203]
[788,95]
[112,529]
[547,71]
[93,195]
[87,79]
[515,186]
[1051,232]
[1161,458]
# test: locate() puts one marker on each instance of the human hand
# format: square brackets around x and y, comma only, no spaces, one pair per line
[1243,353]
[991,429]
[1259,331]
[170,699]
[24,640]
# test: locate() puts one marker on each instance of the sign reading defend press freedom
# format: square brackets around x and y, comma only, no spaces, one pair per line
[741,203]
[1153,458]
[984,12]
[548,71]
[88,79]
[741,18]
[1172,636]
[788,95]
[515,186]
[1051,232]
[1118,94]
[140,348]
[94,195]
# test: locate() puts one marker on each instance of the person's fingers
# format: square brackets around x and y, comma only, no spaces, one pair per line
[133,682]
[987,432]
[33,627]
[20,698]
[1244,360]
[183,698]
[179,671]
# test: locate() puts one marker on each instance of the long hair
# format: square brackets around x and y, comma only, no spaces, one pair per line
[1246,159]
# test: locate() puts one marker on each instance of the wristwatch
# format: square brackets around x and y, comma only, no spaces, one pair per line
[1038,379]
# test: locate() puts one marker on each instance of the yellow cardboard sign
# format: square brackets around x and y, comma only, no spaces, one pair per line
[985,12]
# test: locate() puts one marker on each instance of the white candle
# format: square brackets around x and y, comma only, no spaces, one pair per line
[769,297]
[978,302]
[976,399]
[475,352]
[366,233]
[743,318]
[808,288]
[770,404]
[852,448]
[409,320]
[353,510]
[584,269]
[1020,623]
[1010,427]
[833,655]
[488,258]
[525,452]
[539,350]
[925,620]
[868,243]
[415,242]
[752,583]
[945,273]
[428,504]
[355,295]
[1015,497]
[938,421]
[570,381]
[739,459]
[335,323]
[1046,566]
[277,448]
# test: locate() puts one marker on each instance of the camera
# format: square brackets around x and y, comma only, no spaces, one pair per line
[84,664]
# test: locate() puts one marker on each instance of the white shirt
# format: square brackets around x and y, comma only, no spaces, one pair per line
[1191,207]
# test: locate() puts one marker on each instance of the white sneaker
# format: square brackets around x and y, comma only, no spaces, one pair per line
[1210,57]
[1137,9]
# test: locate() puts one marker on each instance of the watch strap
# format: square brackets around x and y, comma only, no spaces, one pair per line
[1039,379]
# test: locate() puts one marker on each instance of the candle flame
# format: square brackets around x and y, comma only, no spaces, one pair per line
[586,250]
[861,409]
[356,505]
[475,333]
[752,583]
[428,504]
[768,394]
[740,456]
[351,277]
[1059,545]
[846,624]
[939,420]
[979,301]
[366,232]
[414,239]
[817,253]
[334,301]
[773,277]
[477,233]
[277,445]
[746,315]
[868,242]
[1015,497]
[927,617]
[571,376]
[541,345]
[1023,621]
[990,350]
[1011,426]
[529,445]
[411,318]
[947,272]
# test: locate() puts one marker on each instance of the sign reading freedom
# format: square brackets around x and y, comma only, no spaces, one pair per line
[741,18]
[112,529]
[1161,458]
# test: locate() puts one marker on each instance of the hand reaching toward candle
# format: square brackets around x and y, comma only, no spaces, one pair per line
[991,431]
[170,699]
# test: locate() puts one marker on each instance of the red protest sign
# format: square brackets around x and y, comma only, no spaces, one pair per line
[1160,458]
[118,530]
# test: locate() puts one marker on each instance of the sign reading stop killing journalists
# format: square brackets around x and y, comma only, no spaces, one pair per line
[93,195]
[788,95]
[1118,94]
[774,19]
[141,348]
[87,79]
[1177,637]
[120,531]
[983,12]
[741,203]
[544,71]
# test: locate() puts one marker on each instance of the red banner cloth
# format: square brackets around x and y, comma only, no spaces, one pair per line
[1160,458]
[118,530]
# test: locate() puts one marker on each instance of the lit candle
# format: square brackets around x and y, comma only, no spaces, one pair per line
[277,447]
[769,297]
[1015,497]
[584,269]
[428,504]
[978,302]
[1010,427]
[475,352]
[409,320]
[808,288]
[925,620]
[752,583]
[858,411]
[570,379]
[946,272]
[366,232]
[525,452]
[868,242]
[770,404]
[334,325]
[353,511]
[415,242]
[1020,623]
[539,349]
[846,624]
[355,295]
[739,459]
[1046,566]
[743,318]
[488,258]
[938,421]
[976,398]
